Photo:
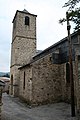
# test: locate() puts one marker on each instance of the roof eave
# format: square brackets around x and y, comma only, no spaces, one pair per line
[22,12]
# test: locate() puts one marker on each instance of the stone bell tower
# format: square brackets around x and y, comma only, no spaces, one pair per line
[23,45]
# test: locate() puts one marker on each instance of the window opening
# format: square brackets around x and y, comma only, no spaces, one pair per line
[24,81]
[27,20]
[67,73]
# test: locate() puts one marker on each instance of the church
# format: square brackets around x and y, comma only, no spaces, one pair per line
[42,77]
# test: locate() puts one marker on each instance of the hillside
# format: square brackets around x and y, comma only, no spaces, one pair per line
[4,74]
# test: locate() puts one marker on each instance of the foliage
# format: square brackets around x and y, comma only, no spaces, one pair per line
[73,13]
[71,4]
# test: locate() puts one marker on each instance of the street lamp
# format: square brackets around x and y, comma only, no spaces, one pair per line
[71,67]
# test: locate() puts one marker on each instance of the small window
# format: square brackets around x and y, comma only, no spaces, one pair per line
[24,81]
[11,79]
[11,84]
[67,73]
[27,20]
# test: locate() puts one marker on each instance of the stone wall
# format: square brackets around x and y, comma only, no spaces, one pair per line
[22,50]
[23,30]
[23,46]
[46,81]
[65,85]
[25,92]
[49,82]
[23,40]
[14,81]
[77,80]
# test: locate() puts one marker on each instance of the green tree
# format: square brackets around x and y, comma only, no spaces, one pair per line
[71,4]
[73,13]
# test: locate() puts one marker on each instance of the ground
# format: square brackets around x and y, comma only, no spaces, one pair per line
[13,109]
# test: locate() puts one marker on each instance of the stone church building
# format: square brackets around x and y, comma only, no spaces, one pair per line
[41,77]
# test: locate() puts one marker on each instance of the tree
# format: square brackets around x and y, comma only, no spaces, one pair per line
[73,13]
[71,4]
[6,75]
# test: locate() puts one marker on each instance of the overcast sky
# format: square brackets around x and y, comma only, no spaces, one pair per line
[49,31]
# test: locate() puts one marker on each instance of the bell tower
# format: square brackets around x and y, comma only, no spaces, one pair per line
[23,45]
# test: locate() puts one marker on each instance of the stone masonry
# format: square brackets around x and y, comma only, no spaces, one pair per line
[44,77]
[45,82]
[23,45]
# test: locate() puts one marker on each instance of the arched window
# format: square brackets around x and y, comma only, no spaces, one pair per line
[27,20]
[67,73]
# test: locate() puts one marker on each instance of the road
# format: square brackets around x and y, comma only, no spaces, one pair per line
[13,109]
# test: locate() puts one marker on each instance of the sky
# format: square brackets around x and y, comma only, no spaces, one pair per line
[49,31]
